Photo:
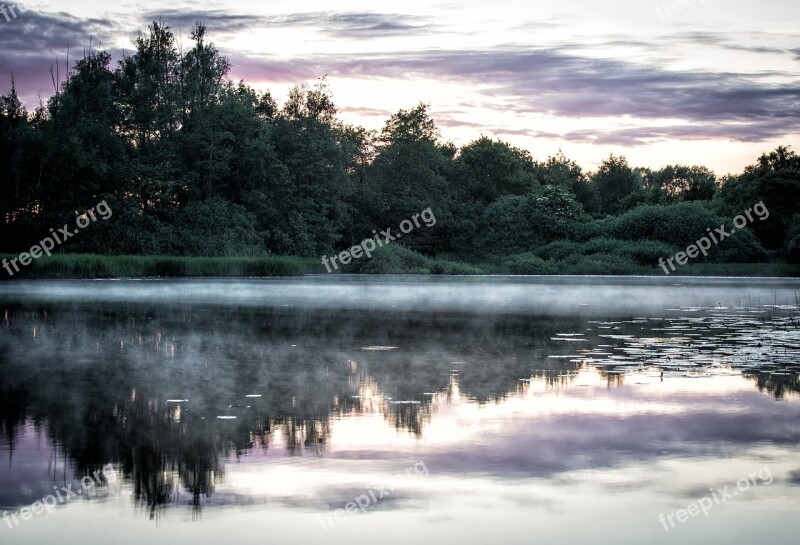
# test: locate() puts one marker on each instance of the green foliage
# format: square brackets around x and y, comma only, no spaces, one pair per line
[559,171]
[558,250]
[215,228]
[408,176]
[682,183]
[645,252]
[206,228]
[194,164]
[530,264]
[640,252]
[614,180]
[741,247]
[773,180]
[94,266]
[678,224]
[454,268]
[517,224]
[397,259]
[390,259]
[599,264]
[491,169]
[793,240]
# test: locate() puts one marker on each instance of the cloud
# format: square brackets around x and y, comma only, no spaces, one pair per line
[733,42]
[745,107]
[218,21]
[366,112]
[358,25]
[744,132]
[564,81]
[334,24]
[35,41]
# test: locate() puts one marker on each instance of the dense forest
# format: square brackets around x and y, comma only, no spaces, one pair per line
[195,164]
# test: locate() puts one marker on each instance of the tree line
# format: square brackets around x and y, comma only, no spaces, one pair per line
[193,163]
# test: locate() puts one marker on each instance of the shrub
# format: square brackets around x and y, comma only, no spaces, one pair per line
[599,264]
[529,263]
[520,223]
[390,259]
[94,266]
[741,247]
[603,245]
[640,252]
[677,224]
[454,268]
[793,240]
[560,249]
[396,259]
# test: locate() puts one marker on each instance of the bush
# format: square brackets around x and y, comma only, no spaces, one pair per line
[677,224]
[793,240]
[793,251]
[390,259]
[741,247]
[454,268]
[599,264]
[560,249]
[646,252]
[396,259]
[520,223]
[529,263]
[215,227]
[94,266]
[603,245]
[640,252]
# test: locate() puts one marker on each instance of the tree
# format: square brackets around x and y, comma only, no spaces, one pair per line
[203,73]
[314,147]
[516,224]
[774,180]
[149,86]
[20,184]
[149,94]
[559,171]
[408,174]
[487,170]
[614,180]
[682,183]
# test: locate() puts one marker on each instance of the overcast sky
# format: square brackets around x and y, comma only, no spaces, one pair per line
[713,83]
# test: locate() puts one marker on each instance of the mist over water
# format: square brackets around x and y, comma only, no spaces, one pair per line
[229,406]
[557,295]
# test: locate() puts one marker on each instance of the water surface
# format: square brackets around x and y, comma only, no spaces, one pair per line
[473,410]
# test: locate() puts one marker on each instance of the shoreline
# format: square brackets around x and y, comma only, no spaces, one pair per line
[90,266]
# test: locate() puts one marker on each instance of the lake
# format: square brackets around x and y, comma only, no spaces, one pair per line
[341,409]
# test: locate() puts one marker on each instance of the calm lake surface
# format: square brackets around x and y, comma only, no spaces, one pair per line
[401,410]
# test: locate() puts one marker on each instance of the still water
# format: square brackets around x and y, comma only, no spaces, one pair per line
[400,410]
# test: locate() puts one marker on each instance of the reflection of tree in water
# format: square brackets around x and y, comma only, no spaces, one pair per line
[99,380]
[778,383]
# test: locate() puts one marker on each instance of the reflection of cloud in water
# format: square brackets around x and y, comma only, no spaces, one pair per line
[521,391]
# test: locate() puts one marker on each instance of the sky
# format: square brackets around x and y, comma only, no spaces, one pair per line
[707,82]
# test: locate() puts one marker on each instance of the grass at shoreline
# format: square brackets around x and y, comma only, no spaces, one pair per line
[731,270]
[64,266]
[738,269]
[84,266]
